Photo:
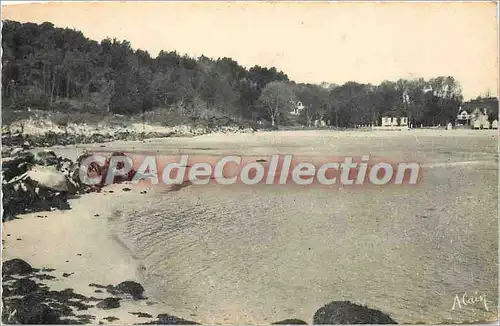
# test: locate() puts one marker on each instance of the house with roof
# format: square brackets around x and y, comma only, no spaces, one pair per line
[481,113]
[463,118]
[394,122]
[479,119]
[297,108]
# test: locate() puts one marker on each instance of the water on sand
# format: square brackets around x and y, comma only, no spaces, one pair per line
[258,254]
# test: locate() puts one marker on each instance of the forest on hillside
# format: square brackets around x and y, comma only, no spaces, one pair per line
[59,69]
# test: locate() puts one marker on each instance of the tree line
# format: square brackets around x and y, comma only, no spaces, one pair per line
[51,68]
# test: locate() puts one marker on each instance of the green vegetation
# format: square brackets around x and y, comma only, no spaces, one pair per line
[56,69]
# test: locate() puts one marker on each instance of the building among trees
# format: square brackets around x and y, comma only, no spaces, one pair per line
[463,118]
[60,70]
[394,122]
[479,119]
[297,108]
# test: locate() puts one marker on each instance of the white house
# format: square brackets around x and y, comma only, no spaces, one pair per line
[386,121]
[394,122]
[479,119]
[463,115]
[297,108]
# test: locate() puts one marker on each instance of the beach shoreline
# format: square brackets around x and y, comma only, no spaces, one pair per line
[55,241]
[78,243]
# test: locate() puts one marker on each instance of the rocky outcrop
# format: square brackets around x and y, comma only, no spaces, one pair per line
[290,322]
[83,135]
[16,266]
[27,301]
[109,303]
[134,289]
[348,313]
[44,182]
[34,183]
[166,319]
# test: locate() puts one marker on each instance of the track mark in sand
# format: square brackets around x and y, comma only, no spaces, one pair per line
[177,187]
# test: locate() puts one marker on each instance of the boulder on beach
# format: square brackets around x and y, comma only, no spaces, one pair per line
[109,303]
[16,151]
[16,266]
[141,314]
[29,311]
[347,313]
[24,286]
[290,322]
[48,177]
[14,167]
[47,158]
[133,288]
[166,319]
[38,182]
[16,158]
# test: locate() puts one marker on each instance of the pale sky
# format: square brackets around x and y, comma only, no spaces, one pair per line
[311,42]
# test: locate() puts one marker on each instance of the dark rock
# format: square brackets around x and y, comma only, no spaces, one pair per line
[29,186]
[66,295]
[16,266]
[111,319]
[43,277]
[165,319]
[141,314]
[6,292]
[98,286]
[109,303]
[290,322]
[47,158]
[126,189]
[29,310]
[82,319]
[93,299]
[345,312]
[67,274]
[24,286]
[133,288]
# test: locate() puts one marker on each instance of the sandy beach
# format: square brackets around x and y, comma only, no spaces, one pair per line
[258,255]
[77,242]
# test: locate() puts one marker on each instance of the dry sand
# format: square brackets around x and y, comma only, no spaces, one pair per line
[258,256]
[77,241]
